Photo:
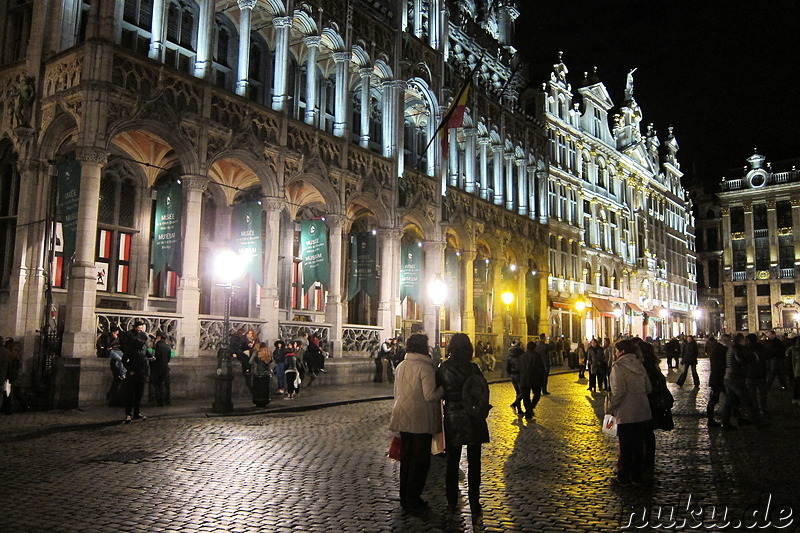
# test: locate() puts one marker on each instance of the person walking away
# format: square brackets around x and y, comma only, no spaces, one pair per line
[416,415]
[629,404]
[134,357]
[594,357]
[689,353]
[776,357]
[14,374]
[793,354]
[461,427]
[716,377]
[672,350]
[5,372]
[660,401]
[262,374]
[531,375]
[292,373]
[755,372]
[580,352]
[512,369]
[279,358]
[735,385]
[159,370]
[545,351]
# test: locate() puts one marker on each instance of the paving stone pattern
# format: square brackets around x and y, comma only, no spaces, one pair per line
[325,470]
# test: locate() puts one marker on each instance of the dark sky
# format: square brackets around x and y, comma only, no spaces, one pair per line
[725,74]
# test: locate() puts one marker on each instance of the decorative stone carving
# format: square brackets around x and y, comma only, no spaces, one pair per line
[88,154]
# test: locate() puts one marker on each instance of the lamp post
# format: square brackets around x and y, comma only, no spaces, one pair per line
[437,290]
[580,307]
[697,314]
[617,312]
[228,267]
[507,298]
[666,330]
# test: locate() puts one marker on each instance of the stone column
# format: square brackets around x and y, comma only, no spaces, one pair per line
[509,188]
[434,23]
[388,243]
[483,143]
[418,29]
[270,297]
[468,314]
[522,187]
[542,177]
[434,264]
[312,42]
[334,309]
[282,27]
[544,307]
[342,60]
[452,158]
[498,307]
[157,26]
[243,72]
[205,39]
[750,242]
[188,294]
[530,178]
[391,111]
[366,74]
[469,161]
[772,224]
[497,174]
[81,323]
[520,318]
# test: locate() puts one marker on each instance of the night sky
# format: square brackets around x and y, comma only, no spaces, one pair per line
[725,74]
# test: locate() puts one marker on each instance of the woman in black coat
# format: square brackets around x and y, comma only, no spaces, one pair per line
[461,428]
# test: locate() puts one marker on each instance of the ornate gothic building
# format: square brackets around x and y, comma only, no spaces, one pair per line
[140,138]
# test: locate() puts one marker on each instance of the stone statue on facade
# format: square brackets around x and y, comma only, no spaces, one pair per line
[629,87]
[23,102]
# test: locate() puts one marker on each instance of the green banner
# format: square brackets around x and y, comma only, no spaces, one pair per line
[410,271]
[69,191]
[480,281]
[247,225]
[530,294]
[363,255]
[167,228]
[451,265]
[314,252]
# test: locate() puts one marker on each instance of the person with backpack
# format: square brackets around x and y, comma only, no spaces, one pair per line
[466,405]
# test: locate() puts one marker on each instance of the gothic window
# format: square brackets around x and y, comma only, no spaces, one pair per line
[17,30]
[115,229]
[296,82]
[137,22]
[9,203]
[225,44]
[180,44]
[260,75]
[327,103]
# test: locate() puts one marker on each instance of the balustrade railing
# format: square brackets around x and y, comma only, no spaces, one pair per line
[739,276]
[359,340]
[787,272]
[212,330]
[166,323]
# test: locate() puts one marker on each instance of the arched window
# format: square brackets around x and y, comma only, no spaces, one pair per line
[9,204]
[116,209]
[260,76]
[296,85]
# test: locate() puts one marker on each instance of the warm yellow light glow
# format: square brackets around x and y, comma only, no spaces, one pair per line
[580,305]
[664,313]
[507,297]
[697,313]
[437,290]
[797,317]
[617,312]
[228,266]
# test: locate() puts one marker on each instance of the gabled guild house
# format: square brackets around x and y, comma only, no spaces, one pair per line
[350,152]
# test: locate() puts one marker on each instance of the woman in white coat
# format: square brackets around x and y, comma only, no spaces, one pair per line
[417,416]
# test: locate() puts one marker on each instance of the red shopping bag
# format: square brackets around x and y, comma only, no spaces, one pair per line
[394,449]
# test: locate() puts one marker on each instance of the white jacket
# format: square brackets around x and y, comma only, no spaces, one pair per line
[417,405]
[629,389]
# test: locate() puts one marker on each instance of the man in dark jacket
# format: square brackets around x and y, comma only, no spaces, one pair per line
[672,350]
[512,369]
[159,370]
[134,357]
[689,359]
[716,379]
[776,357]
[531,375]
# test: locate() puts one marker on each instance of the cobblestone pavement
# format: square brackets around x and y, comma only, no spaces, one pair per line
[325,470]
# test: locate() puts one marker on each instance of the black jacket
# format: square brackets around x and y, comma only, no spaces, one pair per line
[162,353]
[460,429]
[531,369]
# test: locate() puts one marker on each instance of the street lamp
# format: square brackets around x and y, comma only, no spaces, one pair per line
[580,307]
[617,312]
[697,314]
[507,297]
[228,267]
[666,329]
[437,290]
